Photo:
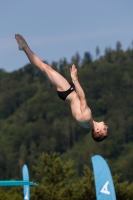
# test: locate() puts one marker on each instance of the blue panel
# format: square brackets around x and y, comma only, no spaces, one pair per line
[26,178]
[103,179]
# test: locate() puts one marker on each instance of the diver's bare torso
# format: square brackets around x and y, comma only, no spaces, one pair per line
[82,118]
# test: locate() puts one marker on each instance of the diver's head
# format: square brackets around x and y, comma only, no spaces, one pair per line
[99,133]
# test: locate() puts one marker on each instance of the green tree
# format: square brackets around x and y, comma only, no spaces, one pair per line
[54,176]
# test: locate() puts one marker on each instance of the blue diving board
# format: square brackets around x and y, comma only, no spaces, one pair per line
[16,183]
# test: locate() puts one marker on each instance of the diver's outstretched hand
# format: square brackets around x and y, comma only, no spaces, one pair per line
[74,74]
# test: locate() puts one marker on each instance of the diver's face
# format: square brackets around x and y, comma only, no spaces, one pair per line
[103,128]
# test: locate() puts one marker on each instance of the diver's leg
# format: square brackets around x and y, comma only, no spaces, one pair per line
[57,79]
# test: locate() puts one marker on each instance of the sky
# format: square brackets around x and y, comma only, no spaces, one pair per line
[58,29]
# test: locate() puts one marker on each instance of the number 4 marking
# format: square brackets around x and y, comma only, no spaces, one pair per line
[105,188]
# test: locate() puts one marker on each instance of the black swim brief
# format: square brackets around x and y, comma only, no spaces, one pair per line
[63,94]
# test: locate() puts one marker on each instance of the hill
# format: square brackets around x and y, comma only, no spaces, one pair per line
[33,120]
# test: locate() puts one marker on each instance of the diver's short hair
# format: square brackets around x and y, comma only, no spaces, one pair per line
[98,138]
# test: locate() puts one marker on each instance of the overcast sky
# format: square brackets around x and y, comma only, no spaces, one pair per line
[55,29]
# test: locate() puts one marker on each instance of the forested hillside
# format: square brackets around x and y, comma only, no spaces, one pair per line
[34,120]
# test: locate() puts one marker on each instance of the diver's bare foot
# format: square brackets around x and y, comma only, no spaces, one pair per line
[21,42]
